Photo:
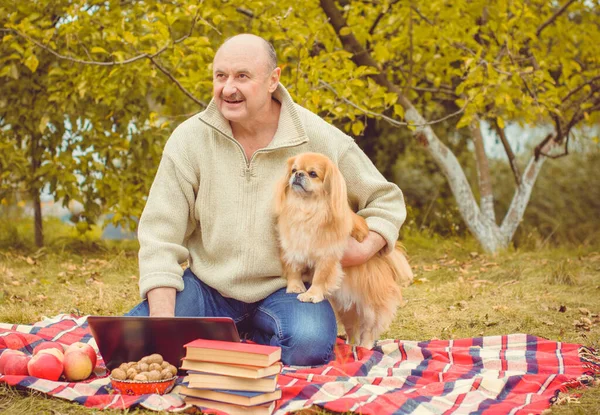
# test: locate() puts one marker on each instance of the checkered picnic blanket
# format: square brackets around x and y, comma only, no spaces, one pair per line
[513,374]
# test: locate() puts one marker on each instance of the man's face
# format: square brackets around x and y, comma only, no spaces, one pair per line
[242,82]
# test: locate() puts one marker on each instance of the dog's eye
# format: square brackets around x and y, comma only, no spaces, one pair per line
[294,170]
[312,174]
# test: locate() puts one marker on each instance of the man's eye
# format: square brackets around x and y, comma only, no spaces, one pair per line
[312,174]
[243,75]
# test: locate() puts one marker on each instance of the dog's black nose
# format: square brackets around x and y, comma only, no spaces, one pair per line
[299,174]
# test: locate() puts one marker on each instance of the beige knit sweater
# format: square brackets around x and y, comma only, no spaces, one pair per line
[211,205]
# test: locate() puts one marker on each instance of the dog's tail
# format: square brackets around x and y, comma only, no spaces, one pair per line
[402,272]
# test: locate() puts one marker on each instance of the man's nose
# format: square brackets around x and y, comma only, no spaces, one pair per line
[229,88]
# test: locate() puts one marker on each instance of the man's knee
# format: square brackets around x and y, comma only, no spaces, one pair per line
[310,341]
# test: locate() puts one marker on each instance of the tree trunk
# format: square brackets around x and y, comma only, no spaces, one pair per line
[520,200]
[486,196]
[37,218]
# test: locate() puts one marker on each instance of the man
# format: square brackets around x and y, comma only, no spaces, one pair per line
[211,203]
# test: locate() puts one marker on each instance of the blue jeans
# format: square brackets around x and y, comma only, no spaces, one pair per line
[306,332]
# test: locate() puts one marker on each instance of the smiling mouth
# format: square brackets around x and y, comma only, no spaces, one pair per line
[231,101]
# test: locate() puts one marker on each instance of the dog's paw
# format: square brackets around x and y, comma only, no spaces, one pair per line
[295,288]
[309,297]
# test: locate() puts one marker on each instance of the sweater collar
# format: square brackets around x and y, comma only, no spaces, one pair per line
[290,130]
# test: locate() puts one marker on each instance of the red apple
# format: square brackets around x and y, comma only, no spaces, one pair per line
[17,365]
[86,348]
[55,352]
[48,345]
[5,356]
[77,365]
[45,365]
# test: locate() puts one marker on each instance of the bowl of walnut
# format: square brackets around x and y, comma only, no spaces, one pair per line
[151,374]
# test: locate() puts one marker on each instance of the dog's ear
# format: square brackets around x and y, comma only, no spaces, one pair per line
[282,187]
[335,186]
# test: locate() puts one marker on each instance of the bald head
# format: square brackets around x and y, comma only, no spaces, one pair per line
[249,42]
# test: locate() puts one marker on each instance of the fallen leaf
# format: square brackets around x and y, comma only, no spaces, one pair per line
[562,309]
[584,311]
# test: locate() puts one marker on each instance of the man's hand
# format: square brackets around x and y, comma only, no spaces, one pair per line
[358,253]
[161,301]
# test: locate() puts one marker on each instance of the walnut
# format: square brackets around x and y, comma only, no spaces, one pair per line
[154,375]
[173,370]
[155,358]
[131,372]
[118,374]
[155,366]
[166,374]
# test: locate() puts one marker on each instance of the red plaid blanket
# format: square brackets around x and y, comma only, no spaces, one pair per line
[513,374]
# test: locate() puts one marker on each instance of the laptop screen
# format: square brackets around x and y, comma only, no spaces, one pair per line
[124,338]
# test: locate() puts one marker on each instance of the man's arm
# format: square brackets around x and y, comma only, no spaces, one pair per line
[162,302]
[380,202]
[357,253]
[164,225]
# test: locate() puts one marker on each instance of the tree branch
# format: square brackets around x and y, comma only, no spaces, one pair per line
[181,87]
[380,16]
[512,160]
[422,16]
[553,17]
[101,63]
[245,12]
[385,117]
[574,91]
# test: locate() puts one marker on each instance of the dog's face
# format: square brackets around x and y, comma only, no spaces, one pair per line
[312,176]
[306,174]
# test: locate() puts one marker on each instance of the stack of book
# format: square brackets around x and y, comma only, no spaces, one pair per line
[236,378]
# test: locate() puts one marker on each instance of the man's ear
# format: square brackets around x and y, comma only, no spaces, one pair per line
[274,79]
[282,187]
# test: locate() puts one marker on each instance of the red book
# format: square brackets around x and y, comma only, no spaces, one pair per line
[231,352]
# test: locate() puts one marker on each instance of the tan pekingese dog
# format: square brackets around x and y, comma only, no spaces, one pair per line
[314,221]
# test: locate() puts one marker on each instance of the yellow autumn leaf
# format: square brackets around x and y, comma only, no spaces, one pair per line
[32,63]
[98,49]
[345,31]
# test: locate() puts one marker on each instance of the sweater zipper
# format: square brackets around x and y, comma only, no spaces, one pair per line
[248,169]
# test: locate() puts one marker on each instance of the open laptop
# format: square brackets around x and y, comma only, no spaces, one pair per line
[124,338]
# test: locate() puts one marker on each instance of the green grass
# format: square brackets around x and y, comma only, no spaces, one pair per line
[458,292]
